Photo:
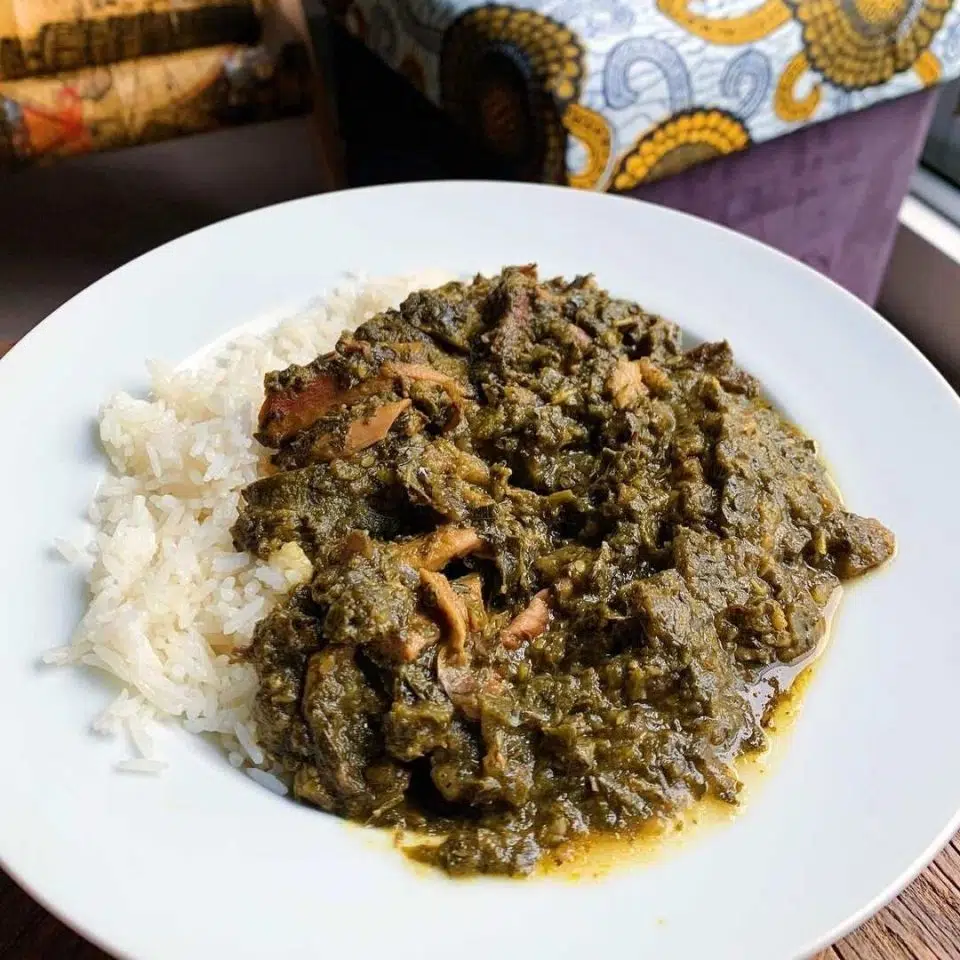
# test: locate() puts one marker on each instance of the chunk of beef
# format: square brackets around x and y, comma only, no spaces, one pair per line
[344,715]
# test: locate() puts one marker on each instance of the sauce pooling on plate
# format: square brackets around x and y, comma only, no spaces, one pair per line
[556,561]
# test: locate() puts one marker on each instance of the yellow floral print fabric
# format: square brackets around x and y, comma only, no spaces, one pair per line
[610,94]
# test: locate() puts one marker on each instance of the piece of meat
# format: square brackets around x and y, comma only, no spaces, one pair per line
[365,600]
[355,543]
[450,481]
[451,608]
[405,647]
[413,730]
[470,591]
[461,602]
[529,623]
[463,682]
[514,298]
[416,371]
[313,506]
[408,351]
[445,460]
[340,708]
[625,384]
[655,378]
[434,551]
[348,347]
[420,632]
[849,545]
[717,359]
[286,412]
[369,430]
[420,372]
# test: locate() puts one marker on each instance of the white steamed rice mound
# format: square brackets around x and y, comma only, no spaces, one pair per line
[170,598]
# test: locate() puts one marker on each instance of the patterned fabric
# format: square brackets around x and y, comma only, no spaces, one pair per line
[614,94]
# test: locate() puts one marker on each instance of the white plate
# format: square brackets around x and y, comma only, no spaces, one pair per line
[204,863]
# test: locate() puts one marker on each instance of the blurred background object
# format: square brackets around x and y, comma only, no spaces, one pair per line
[941,155]
[148,99]
[41,37]
[78,77]
[921,287]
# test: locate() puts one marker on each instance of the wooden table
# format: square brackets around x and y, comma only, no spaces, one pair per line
[923,923]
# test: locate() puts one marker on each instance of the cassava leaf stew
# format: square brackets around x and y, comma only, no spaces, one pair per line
[561,567]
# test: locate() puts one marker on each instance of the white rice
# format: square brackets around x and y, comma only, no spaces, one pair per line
[170,599]
[268,780]
[141,766]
